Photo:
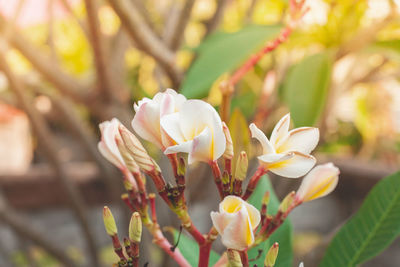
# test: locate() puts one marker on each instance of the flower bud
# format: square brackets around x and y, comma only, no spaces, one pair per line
[241,166]
[137,151]
[109,222]
[135,228]
[318,182]
[234,258]
[228,154]
[271,256]
[129,161]
[287,202]
[265,199]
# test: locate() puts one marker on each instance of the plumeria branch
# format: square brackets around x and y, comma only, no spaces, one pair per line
[296,12]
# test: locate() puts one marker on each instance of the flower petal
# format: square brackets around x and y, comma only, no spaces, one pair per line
[195,115]
[170,124]
[260,136]
[146,122]
[110,130]
[185,147]
[254,215]
[201,147]
[297,165]
[280,131]
[109,156]
[272,158]
[220,221]
[321,181]
[303,140]
[238,233]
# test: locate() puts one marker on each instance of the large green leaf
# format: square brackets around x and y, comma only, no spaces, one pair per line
[371,229]
[283,235]
[223,52]
[190,249]
[306,88]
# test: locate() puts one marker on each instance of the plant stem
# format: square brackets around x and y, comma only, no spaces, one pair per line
[245,258]
[217,177]
[254,181]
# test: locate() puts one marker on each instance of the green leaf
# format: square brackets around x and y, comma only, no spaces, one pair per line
[221,53]
[306,88]
[371,229]
[190,249]
[283,235]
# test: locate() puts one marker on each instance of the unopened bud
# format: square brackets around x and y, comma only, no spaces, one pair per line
[265,199]
[181,167]
[109,222]
[287,202]
[129,161]
[228,154]
[319,182]
[271,256]
[225,178]
[126,242]
[137,151]
[234,258]
[128,185]
[135,228]
[241,166]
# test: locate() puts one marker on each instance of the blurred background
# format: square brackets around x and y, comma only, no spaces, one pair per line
[67,65]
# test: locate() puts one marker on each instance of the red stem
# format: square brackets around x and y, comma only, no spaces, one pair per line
[152,201]
[228,166]
[204,256]
[245,258]
[217,177]
[118,248]
[254,181]
[284,34]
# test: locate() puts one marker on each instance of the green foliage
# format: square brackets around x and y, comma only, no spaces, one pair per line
[283,235]
[371,229]
[190,249]
[306,88]
[221,53]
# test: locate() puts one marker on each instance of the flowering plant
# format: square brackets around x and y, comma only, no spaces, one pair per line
[188,131]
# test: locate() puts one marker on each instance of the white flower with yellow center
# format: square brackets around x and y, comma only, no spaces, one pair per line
[287,153]
[197,130]
[146,121]
[236,222]
[319,182]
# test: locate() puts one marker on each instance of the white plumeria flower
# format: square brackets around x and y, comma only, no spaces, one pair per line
[287,153]
[108,146]
[319,182]
[197,130]
[236,222]
[146,121]
[301,264]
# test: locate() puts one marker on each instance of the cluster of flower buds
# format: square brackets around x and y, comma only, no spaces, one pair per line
[178,127]
[129,256]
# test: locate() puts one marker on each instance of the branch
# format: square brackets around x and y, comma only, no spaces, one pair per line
[86,137]
[68,8]
[174,39]
[142,34]
[104,77]
[48,68]
[214,22]
[49,148]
